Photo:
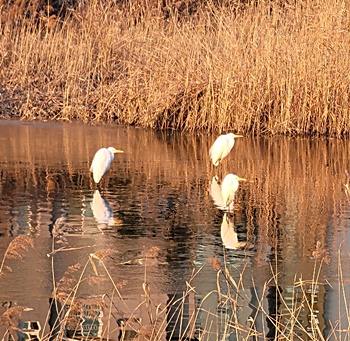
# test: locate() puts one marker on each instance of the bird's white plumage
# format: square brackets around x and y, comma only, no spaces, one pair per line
[222,147]
[229,188]
[102,161]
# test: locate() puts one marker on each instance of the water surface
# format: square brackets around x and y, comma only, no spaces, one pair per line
[155,209]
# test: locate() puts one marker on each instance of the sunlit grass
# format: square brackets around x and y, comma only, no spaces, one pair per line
[263,68]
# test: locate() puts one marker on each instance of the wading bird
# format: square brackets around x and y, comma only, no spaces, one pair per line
[229,188]
[102,161]
[222,147]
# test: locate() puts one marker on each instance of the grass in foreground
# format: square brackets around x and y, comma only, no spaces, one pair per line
[272,311]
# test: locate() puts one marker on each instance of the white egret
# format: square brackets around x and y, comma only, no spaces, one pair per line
[222,147]
[102,161]
[229,188]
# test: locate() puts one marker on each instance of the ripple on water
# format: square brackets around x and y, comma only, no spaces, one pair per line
[155,211]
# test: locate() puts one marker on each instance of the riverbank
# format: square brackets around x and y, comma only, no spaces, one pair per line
[264,69]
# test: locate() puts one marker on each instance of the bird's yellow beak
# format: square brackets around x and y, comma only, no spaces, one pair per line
[118,151]
[241,179]
[235,136]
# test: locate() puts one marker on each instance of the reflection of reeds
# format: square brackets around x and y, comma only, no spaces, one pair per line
[347,185]
[294,182]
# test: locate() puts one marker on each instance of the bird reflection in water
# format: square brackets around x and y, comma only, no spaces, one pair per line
[229,236]
[102,211]
[215,193]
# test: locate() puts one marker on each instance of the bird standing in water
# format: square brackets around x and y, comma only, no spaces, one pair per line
[229,188]
[222,147]
[102,161]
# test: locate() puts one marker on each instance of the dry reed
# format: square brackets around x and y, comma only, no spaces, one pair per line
[16,251]
[265,67]
[284,316]
[11,316]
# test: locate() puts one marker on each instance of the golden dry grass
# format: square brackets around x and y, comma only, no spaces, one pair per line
[293,315]
[266,69]
[15,251]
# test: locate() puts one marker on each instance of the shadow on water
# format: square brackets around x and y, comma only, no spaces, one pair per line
[157,222]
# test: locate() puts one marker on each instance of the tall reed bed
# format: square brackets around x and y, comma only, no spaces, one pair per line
[265,68]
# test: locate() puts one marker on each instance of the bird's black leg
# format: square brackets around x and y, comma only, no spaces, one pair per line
[99,186]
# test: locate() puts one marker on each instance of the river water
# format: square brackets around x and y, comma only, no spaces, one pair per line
[154,223]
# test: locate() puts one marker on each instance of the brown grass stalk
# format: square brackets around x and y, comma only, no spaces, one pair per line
[230,295]
[16,250]
[9,320]
[265,67]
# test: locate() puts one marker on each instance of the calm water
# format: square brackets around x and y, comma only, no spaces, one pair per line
[156,210]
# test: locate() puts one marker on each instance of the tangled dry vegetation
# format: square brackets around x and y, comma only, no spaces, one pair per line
[285,321]
[293,316]
[261,67]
